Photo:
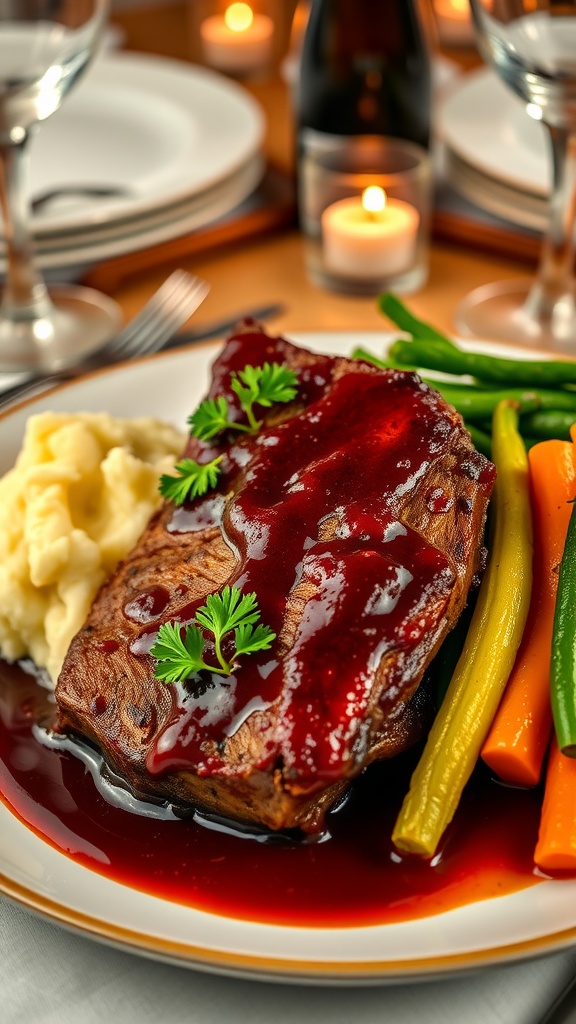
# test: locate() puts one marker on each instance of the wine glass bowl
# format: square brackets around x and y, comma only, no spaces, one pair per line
[45,45]
[533,49]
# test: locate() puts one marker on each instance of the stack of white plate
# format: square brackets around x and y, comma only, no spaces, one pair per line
[494,153]
[178,145]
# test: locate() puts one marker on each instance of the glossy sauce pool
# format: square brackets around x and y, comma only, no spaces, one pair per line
[351,877]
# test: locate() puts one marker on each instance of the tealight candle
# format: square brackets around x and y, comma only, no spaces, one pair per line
[454,22]
[369,236]
[238,41]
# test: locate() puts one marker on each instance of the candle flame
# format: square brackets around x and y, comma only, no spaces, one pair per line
[373,199]
[239,17]
[462,6]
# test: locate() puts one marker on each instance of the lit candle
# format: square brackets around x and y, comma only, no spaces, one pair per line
[369,236]
[454,22]
[238,41]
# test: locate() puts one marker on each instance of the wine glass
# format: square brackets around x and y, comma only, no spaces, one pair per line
[532,46]
[45,45]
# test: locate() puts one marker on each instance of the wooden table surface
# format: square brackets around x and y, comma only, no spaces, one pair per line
[271,268]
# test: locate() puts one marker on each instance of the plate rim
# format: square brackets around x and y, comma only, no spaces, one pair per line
[269,968]
[232,961]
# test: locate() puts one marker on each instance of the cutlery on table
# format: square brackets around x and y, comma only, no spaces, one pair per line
[168,309]
[215,329]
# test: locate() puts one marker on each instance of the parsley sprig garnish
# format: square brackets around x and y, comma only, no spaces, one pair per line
[229,611]
[194,479]
[254,385]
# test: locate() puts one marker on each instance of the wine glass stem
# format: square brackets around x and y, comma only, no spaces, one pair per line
[25,295]
[551,299]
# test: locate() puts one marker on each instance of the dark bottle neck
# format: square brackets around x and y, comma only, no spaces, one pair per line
[365,69]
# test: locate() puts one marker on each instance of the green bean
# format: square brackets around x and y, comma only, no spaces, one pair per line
[477,403]
[547,424]
[539,426]
[483,401]
[474,404]
[382,364]
[551,398]
[443,356]
[400,315]
[563,663]
[480,439]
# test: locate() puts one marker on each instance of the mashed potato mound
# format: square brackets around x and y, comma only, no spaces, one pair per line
[82,490]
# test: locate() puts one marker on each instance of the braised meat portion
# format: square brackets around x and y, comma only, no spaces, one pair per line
[356,515]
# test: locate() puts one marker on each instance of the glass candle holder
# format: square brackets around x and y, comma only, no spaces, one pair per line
[364,204]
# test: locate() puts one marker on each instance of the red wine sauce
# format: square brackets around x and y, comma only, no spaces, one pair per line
[350,876]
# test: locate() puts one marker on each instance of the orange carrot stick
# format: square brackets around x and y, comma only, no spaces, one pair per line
[518,739]
[556,846]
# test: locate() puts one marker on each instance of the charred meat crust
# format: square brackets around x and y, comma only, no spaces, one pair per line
[247,767]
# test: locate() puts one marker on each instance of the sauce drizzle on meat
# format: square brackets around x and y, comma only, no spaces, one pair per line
[356,515]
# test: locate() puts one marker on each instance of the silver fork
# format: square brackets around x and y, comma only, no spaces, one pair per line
[168,309]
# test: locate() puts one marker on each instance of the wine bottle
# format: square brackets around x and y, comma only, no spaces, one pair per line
[365,70]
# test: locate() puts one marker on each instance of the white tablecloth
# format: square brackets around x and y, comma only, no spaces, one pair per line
[51,976]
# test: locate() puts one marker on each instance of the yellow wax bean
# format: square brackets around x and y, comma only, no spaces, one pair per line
[460,727]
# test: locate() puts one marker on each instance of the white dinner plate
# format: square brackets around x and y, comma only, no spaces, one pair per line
[486,125]
[496,197]
[536,920]
[163,130]
[117,239]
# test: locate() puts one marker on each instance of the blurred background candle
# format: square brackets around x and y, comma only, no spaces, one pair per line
[369,236]
[238,41]
[454,22]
